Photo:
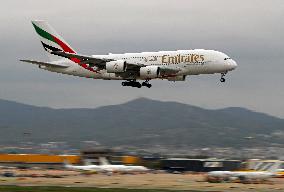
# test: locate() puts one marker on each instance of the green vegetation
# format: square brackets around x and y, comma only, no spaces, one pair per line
[73,189]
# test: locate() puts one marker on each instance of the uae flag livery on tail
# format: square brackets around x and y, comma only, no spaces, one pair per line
[52,41]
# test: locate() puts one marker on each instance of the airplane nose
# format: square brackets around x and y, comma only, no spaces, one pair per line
[233,64]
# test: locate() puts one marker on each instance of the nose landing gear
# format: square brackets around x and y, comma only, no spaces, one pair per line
[222,77]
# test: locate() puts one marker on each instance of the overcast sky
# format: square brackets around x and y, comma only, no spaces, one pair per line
[250,31]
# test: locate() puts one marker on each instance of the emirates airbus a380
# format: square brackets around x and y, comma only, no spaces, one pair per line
[130,67]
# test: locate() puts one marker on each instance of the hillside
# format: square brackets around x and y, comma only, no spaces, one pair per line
[141,122]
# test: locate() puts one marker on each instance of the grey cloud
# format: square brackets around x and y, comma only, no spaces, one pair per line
[249,31]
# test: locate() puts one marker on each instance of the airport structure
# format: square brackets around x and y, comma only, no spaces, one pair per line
[56,161]
[199,165]
[119,158]
[39,160]
[262,165]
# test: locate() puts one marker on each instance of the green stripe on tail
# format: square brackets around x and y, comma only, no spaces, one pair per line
[44,34]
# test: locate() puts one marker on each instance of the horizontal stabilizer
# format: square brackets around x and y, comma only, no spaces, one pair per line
[40,63]
[83,58]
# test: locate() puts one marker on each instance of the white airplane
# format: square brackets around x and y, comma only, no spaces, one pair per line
[121,168]
[245,175]
[170,65]
[88,168]
[106,167]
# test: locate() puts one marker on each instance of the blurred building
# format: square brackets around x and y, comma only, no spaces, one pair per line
[199,165]
[39,160]
[262,165]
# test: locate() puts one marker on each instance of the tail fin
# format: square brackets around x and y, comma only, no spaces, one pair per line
[51,40]
[274,168]
[66,164]
[88,162]
[103,161]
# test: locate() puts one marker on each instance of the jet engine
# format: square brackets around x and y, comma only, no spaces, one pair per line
[149,72]
[177,78]
[117,66]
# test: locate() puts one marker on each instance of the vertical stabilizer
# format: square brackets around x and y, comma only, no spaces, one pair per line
[51,40]
[274,168]
[103,161]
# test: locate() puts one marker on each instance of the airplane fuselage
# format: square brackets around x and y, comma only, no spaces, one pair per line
[188,62]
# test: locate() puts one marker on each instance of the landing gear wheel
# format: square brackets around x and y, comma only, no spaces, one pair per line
[146,84]
[138,85]
[222,77]
[133,83]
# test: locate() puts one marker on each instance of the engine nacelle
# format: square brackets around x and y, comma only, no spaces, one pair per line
[149,72]
[117,66]
[177,78]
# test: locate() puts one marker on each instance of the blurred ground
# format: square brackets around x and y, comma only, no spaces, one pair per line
[139,181]
[75,189]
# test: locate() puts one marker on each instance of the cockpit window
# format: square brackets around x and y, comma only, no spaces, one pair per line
[227,58]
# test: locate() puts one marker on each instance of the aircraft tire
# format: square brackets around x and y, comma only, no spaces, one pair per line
[138,85]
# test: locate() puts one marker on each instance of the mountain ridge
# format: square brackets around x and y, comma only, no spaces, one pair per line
[141,99]
[141,122]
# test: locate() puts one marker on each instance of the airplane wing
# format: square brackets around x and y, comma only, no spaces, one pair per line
[100,62]
[40,63]
[92,61]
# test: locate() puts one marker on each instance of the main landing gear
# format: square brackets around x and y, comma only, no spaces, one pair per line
[131,84]
[134,83]
[222,77]
[146,84]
